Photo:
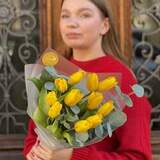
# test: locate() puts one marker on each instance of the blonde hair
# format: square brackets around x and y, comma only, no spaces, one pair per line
[110,42]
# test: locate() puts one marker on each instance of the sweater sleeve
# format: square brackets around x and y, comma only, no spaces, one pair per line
[133,137]
[30,139]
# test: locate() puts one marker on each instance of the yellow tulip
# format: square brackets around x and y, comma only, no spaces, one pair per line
[94,120]
[94,99]
[73,97]
[50,59]
[92,82]
[51,98]
[76,77]
[55,110]
[106,108]
[108,83]
[61,84]
[82,126]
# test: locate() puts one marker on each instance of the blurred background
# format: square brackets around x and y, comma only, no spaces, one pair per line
[27,27]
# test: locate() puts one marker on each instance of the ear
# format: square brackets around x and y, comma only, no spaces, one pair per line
[105,26]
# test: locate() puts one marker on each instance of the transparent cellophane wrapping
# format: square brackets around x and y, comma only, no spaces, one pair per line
[66,68]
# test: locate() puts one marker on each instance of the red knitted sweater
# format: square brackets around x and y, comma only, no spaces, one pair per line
[129,142]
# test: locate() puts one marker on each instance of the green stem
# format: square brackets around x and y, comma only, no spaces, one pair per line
[86,95]
[86,114]
[60,99]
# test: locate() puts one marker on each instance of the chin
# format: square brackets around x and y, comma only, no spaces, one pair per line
[75,46]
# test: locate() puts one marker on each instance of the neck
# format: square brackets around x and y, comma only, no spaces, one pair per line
[84,54]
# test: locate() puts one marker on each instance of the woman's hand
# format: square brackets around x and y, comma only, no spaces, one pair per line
[41,152]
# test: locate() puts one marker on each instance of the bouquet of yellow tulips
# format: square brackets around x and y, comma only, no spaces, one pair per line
[73,108]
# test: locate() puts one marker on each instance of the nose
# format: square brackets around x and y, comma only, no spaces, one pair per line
[72,22]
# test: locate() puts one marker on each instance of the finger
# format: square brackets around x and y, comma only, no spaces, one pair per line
[41,154]
[39,158]
[43,147]
[30,156]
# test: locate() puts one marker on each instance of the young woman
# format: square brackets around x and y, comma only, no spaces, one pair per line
[86,28]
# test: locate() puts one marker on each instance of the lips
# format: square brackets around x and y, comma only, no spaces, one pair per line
[73,35]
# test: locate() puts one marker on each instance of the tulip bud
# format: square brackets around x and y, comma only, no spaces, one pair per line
[82,126]
[107,84]
[51,98]
[76,77]
[55,110]
[73,97]
[94,99]
[106,108]
[94,120]
[61,84]
[92,82]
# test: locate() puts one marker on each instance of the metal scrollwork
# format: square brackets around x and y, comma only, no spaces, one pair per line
[19,44]
[146,34]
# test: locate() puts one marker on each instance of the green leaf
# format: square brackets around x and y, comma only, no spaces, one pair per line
[55,129]
[75,109]
[127,100]
[109,129]
[45,76]
[88,113]
[37,82]
[68,137]
[83,137]
[138,90]
[42,101]
[40,117]
[99,131]
[82,106]
[117,118]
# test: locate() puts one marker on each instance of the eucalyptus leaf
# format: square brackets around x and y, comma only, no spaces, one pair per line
[117,118]
[51,71]
[91,134]
[37,82]
[72,118]
[83,137]
[118,90]
[49,86]
[75,109]
[138,90]
[78,143]
[109,129]
[66,125]
[63,76]
[127,100]
[42,101]
[99,131]
[116,103]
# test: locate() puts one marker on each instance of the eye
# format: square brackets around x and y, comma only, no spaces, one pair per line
[64,16]
[85,15]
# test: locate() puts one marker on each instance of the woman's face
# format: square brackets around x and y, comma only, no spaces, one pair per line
[81,23]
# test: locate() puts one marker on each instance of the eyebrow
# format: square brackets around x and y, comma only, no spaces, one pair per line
[80,10]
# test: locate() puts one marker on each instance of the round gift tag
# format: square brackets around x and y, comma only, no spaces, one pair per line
[50,59]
